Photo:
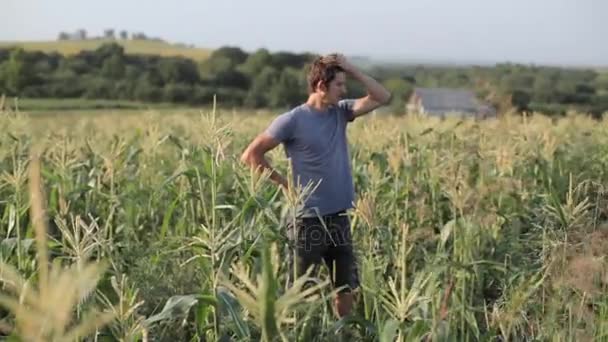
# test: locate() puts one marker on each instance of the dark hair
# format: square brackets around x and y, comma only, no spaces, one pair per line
[322,69]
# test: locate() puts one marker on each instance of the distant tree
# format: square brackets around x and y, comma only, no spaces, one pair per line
[212,67]
[286,91]
[145,91]
[63,36]
[278,79]
[201,95]
[222,68]
[139,36]
[123,89]
[99,88]
[81,34]
[177,92]
[113,67]
[517,81]
[235,54]
[109,34]
[3,89]
[255,62]
[18,73]
[282,60]
[564,86]
[258,94]
[455,78]
[152,77]
[95,58]
[132,73]
[73,66]
[600,104]
[221,61]
[543,89]
[124,35]
[109,49]
[401,90]
[178,70]
[584,88]
[231,78]
[520,100]
[5,53]
[601,81]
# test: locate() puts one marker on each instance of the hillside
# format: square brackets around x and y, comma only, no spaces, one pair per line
[71,47]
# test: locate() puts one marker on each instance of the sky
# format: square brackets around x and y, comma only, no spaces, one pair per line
[555,32]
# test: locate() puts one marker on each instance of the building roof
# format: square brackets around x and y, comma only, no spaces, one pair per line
[445,100]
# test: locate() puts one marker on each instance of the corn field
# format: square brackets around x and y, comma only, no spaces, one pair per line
[148,228]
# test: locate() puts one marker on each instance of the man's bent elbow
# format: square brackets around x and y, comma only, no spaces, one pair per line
[382,99]
[386,99]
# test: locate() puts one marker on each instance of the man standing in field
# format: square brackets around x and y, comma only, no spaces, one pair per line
[314,137]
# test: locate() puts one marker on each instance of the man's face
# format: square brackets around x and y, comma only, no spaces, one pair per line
[336,89]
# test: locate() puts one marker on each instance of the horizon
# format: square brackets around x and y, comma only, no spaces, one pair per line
[552,33]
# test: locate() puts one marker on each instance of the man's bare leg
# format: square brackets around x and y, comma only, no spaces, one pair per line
[343,304]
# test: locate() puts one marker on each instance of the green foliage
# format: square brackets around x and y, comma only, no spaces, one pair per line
[256,62]
[520,99]
[113,67]
[464,230]
[277,80]
[16,72]
[401,90]
[177,70]
[551,90]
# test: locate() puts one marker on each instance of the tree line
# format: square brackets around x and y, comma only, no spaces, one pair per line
[108,34]
[277,80]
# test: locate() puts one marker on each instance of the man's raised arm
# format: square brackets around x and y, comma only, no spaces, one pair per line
[377,94]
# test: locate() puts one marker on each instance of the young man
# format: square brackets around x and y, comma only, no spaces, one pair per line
[314,137]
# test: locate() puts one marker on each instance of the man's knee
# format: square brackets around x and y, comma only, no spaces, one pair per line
[344,303]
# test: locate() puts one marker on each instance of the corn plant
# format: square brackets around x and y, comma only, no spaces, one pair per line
[463,230]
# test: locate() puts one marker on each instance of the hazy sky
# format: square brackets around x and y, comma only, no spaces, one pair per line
[527,31]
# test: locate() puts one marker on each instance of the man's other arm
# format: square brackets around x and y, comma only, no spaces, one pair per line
[254,156]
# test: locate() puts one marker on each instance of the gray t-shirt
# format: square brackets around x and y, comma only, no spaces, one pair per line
[317,146]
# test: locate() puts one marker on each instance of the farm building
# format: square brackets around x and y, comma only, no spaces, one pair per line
[444,102]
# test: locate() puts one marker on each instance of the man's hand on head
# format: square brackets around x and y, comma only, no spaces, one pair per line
[340,60]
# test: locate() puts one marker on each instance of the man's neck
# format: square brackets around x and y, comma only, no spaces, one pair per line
[316,102]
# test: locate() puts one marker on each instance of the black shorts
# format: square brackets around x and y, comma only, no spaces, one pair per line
[330,244]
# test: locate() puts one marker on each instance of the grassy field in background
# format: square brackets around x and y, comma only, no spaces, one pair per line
[464,230]
[73,108]
[131,47]
[50,105]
